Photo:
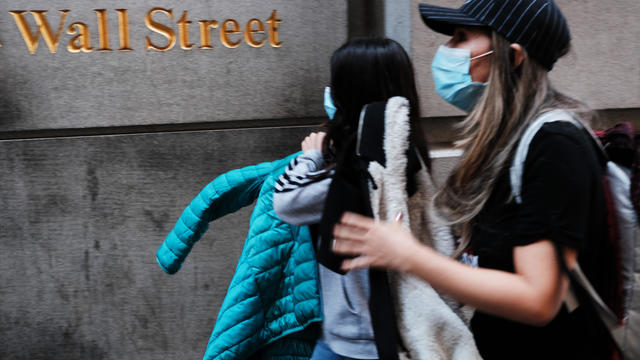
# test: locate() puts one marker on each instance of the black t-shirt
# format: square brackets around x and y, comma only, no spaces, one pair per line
[562,201]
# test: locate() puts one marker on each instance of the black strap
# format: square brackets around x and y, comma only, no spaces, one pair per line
[348,191]
[383,317]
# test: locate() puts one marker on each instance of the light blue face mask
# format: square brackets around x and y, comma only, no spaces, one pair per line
[328,103]
[453,82]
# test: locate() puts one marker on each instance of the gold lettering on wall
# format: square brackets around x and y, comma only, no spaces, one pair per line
[205,33]
[183,29]
[123,29]
[160,29]
[80,42]
[255,32]
[250,31]
[31,39]
[103,30]
[225,32]
[274,25]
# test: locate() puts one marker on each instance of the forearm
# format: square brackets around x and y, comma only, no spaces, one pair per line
[302,206]
[500,293]
[532,294]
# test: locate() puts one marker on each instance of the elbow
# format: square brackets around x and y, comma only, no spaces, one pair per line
[540,314]
[543,318]
[284,211]
[278,208]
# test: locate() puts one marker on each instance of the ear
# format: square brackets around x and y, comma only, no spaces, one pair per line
[517,55]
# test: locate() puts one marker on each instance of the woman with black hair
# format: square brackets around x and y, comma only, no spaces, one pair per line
[373,131]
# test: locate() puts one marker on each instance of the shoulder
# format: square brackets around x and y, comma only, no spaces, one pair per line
[561,140]
[562,154]
[562,132]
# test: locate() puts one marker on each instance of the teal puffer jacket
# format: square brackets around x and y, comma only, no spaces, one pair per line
[273,297]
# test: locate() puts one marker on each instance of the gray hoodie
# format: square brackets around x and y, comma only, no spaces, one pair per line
[299,200]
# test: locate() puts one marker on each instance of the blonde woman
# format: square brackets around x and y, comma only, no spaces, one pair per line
[495,66]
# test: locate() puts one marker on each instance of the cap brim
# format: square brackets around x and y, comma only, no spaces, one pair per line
[444,20]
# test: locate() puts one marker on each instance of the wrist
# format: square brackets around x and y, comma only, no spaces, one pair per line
[410,257]
[417,256]
[315,155]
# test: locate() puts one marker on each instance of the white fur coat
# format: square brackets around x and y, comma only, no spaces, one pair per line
[429,327]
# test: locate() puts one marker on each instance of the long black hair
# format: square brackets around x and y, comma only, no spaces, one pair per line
[363,71]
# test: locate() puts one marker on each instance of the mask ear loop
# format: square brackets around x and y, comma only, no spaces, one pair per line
[476,57]
[481,55]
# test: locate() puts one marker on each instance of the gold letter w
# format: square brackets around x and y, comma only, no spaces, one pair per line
[43,27]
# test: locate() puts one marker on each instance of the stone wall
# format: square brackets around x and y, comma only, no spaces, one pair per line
[103,150]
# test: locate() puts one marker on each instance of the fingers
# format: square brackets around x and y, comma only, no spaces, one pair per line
[320,139]
[313,141]
[346,247]
[348,234]
[351,234]
[306,144]
[349,240]
[357,221]
[359,262]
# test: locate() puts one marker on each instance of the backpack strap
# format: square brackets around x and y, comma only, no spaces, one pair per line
[517,167]
[608,318]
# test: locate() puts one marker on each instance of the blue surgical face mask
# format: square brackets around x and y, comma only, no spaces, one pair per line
[453,82]
[328,103]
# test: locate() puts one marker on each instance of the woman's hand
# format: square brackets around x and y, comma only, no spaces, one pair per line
[377,244]
[313,141]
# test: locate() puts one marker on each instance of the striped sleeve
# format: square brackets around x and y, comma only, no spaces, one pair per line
[301,191]
[301,171]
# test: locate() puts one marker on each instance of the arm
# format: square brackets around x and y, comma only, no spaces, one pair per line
[299,198]
[532,295]
[557,188]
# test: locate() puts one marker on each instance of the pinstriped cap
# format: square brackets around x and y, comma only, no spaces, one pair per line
[538,25]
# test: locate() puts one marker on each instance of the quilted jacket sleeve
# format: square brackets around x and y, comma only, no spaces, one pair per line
[226,194]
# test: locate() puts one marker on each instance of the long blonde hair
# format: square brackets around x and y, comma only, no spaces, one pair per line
[490,133]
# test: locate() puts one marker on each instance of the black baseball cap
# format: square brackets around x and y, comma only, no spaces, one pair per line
[537,25]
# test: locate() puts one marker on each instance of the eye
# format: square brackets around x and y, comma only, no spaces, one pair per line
[460,35]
